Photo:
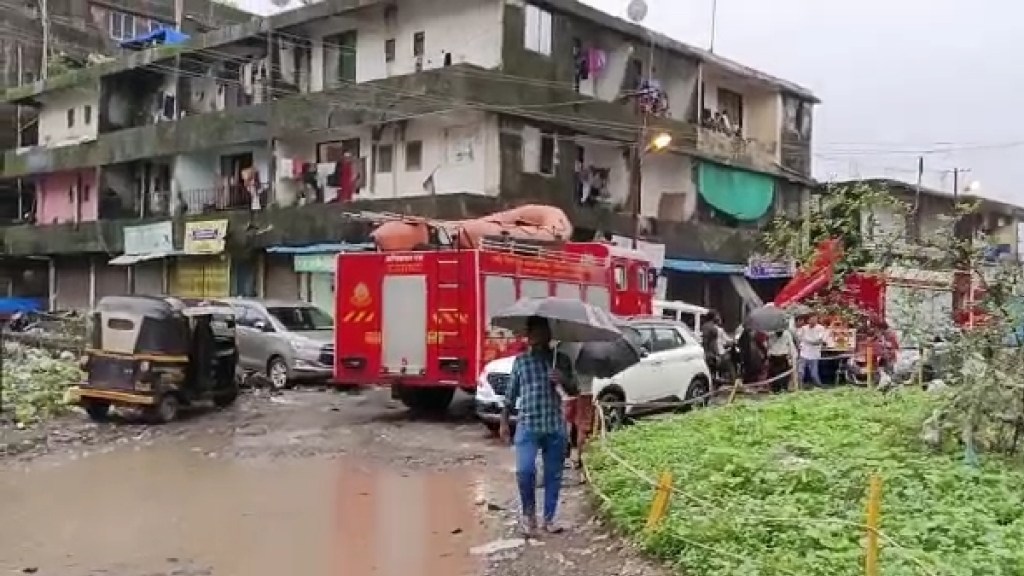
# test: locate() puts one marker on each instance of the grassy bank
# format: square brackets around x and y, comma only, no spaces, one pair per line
[779,487]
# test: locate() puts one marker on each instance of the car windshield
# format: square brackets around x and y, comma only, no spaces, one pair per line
[302,318]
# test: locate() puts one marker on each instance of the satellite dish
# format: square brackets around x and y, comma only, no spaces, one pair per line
[637,10]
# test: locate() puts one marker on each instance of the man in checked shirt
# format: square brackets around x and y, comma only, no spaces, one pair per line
[538,384]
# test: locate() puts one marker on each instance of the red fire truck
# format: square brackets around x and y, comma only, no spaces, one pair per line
[418,321]
[882,296]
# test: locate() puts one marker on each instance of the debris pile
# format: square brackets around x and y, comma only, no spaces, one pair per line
[35,382]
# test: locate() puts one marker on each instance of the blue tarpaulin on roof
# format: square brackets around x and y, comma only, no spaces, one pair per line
[160,36]
[321,248]
[702,267]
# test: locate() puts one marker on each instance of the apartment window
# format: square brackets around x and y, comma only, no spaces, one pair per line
[547,153]
[389,50]
[340,58]
[385,156]
[419,41]
[116,25]
[537,34]
[87,115]
[71,117]
[413,156]
[123,26]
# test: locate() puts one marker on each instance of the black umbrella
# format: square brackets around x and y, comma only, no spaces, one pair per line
[605,359]
[767,319]
[570,320]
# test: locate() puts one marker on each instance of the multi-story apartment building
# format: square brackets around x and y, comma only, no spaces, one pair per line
[447,109]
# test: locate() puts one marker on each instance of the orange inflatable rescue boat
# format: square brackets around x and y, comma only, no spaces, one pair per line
[529,222]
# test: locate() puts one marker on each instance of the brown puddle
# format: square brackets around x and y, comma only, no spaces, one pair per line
[132,511]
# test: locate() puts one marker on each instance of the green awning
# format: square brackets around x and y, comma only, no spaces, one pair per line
[741,194]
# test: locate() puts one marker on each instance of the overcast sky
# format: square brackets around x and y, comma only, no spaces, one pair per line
[896,79]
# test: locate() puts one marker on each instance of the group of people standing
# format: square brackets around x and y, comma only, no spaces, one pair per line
[760,357]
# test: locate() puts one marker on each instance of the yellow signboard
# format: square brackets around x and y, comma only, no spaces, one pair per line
[205,236]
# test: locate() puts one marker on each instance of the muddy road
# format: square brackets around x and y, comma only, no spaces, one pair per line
[309,482]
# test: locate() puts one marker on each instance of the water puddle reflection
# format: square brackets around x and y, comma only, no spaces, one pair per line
[133,510]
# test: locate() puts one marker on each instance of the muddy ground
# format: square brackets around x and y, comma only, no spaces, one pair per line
[308,482]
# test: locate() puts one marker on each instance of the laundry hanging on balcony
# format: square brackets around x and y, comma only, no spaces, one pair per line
[741,194]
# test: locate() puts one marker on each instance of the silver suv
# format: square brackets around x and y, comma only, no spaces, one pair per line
[287,340]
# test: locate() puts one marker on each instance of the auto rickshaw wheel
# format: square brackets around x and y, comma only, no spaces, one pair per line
[166,409]
[225,399]
[98,410]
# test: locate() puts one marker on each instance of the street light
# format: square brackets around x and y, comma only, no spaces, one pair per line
[660,142]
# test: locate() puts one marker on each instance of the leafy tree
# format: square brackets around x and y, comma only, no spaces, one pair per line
[983,375]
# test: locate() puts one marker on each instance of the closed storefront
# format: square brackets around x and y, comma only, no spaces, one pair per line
[318,270]
[111,280]
[144,262]
[321,292]
[149,277]
[201,276]
[281,279]
[203,271]
[71,283]
[306,272]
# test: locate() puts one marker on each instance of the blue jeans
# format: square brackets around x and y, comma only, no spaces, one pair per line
[807,367]
[552,449]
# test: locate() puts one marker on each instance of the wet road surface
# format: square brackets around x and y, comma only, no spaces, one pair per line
[310,483]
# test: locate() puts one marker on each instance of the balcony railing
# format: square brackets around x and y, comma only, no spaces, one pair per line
[219,198]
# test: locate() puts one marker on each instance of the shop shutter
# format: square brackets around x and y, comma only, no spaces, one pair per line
[72,283]
[280,278]
[149,277]
[110,280]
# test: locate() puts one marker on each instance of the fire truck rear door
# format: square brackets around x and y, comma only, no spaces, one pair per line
[404,324]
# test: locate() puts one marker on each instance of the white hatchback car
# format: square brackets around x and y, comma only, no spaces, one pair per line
[673,370]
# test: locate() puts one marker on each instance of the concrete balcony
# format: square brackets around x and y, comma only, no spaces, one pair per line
[733,149]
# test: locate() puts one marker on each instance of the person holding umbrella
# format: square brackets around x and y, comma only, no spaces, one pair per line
[539,379]
[536,377]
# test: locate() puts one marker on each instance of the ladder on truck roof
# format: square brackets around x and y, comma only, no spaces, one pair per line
[540,249]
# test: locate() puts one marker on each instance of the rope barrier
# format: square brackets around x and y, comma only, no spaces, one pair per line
[603,432]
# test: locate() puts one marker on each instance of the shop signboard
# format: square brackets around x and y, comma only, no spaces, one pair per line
[205,236]
[315,263]
[761,268]
[149,239]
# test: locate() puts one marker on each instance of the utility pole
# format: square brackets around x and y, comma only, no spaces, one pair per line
[44,18]
[714,25]
[18,136]
[638,148]
[961,272]
[269,103]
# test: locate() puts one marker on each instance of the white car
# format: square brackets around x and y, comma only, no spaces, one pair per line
[673,370]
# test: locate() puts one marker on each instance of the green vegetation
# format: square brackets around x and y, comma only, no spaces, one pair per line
[780,487]
[34,382]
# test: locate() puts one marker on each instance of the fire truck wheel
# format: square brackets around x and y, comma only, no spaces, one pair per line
[432,400]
